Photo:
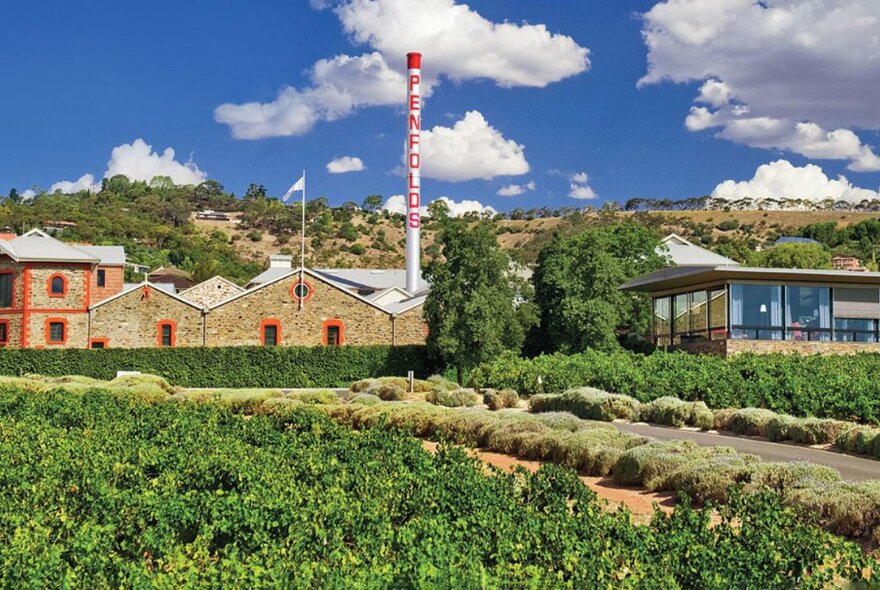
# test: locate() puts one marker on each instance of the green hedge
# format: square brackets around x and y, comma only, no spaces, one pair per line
[243,366]
[842,387]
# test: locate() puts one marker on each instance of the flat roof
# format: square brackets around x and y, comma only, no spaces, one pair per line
[681,277]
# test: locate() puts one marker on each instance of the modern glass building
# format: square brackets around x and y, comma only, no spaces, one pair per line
[732,309]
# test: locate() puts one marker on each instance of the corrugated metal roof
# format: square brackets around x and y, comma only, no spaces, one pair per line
[35,247]
[369,278]
[109,255]
[795,240]
[683,253]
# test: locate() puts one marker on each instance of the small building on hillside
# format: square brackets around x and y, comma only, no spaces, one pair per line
[795,240]
[851,263]
[727,310]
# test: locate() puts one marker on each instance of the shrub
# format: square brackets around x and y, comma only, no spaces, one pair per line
[751,421]
[442,382]
[321,396]
[674,412]
[226,367]
[811,431]
[861,439]
[498,400]
[387,391]
[141,380]
[366,399]
[589,403]
[451,399]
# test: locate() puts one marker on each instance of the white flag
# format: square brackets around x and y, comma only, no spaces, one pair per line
[299,185]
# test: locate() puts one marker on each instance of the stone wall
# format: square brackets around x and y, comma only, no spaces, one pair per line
[131,320]
[114,282]
[78,277]
[13,329]
[76,331]
[211,292]
[237,322]
[410,327]
[716,347]
[735,347]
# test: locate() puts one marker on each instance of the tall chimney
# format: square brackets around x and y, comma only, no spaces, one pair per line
[414,171]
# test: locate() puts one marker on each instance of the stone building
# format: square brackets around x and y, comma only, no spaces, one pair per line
[54,294]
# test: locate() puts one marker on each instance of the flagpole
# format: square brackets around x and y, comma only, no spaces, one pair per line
[302,255]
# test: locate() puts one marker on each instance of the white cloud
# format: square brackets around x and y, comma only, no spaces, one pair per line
[579,187]
[397,204]
[28,194]
[462,44]
[470,149]
[801,82]
[514,190]
[715,93]
[86,182]
[338,87]
[782,180]
[345,164]
[138,161]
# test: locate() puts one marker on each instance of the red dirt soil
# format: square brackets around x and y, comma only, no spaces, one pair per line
[638,501]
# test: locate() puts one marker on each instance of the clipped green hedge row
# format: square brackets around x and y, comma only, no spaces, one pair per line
[842,387]
[242,366]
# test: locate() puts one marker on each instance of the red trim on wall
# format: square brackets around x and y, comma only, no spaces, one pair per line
[159,325]
[338,324]
[5,342]
[87,296]
[307,284]
[104,341]
[46,327]
[65,285]
[26,294]
[277,324]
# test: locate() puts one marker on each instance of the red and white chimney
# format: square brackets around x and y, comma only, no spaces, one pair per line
[414,171]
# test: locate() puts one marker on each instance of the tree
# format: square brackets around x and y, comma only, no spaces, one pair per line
[255,191]
[793,255]
[577,287]
[372,203]
[478,306]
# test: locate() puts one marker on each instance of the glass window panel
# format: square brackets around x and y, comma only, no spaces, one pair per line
[680,324]
[6,290]
[718,314]
[698,314]
[270,335]
[332,335]
[662,321]
[102,278]
[56,332]
[756,312]
[855,330]
[4,332]
[166,334]
[57,286]
[808,313]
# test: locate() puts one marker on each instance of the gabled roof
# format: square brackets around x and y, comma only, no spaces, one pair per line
[296,271]
[129,287]
[214,279]
[268,276]
[407,304]
[367,278]
[38,246]
[684,253]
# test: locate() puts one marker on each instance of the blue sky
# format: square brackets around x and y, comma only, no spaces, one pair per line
[82,78]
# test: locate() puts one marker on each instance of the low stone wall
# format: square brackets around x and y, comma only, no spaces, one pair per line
[735,347]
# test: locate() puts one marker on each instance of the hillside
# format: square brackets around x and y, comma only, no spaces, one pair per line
[156,222]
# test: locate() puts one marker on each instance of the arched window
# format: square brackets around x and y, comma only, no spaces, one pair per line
[302,291]
[166,333]
[57,286]
[270,332]
[334,333]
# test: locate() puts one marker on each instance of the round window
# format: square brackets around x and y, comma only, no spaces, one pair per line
[301,291]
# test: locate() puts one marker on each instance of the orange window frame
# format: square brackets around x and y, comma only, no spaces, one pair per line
[308,286]
[48,331]
[334,324]
[65,285]
[104,341]
[277,324]
[5,341]
[159,325]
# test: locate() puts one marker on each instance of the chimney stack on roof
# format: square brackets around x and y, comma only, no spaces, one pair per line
[280,261]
